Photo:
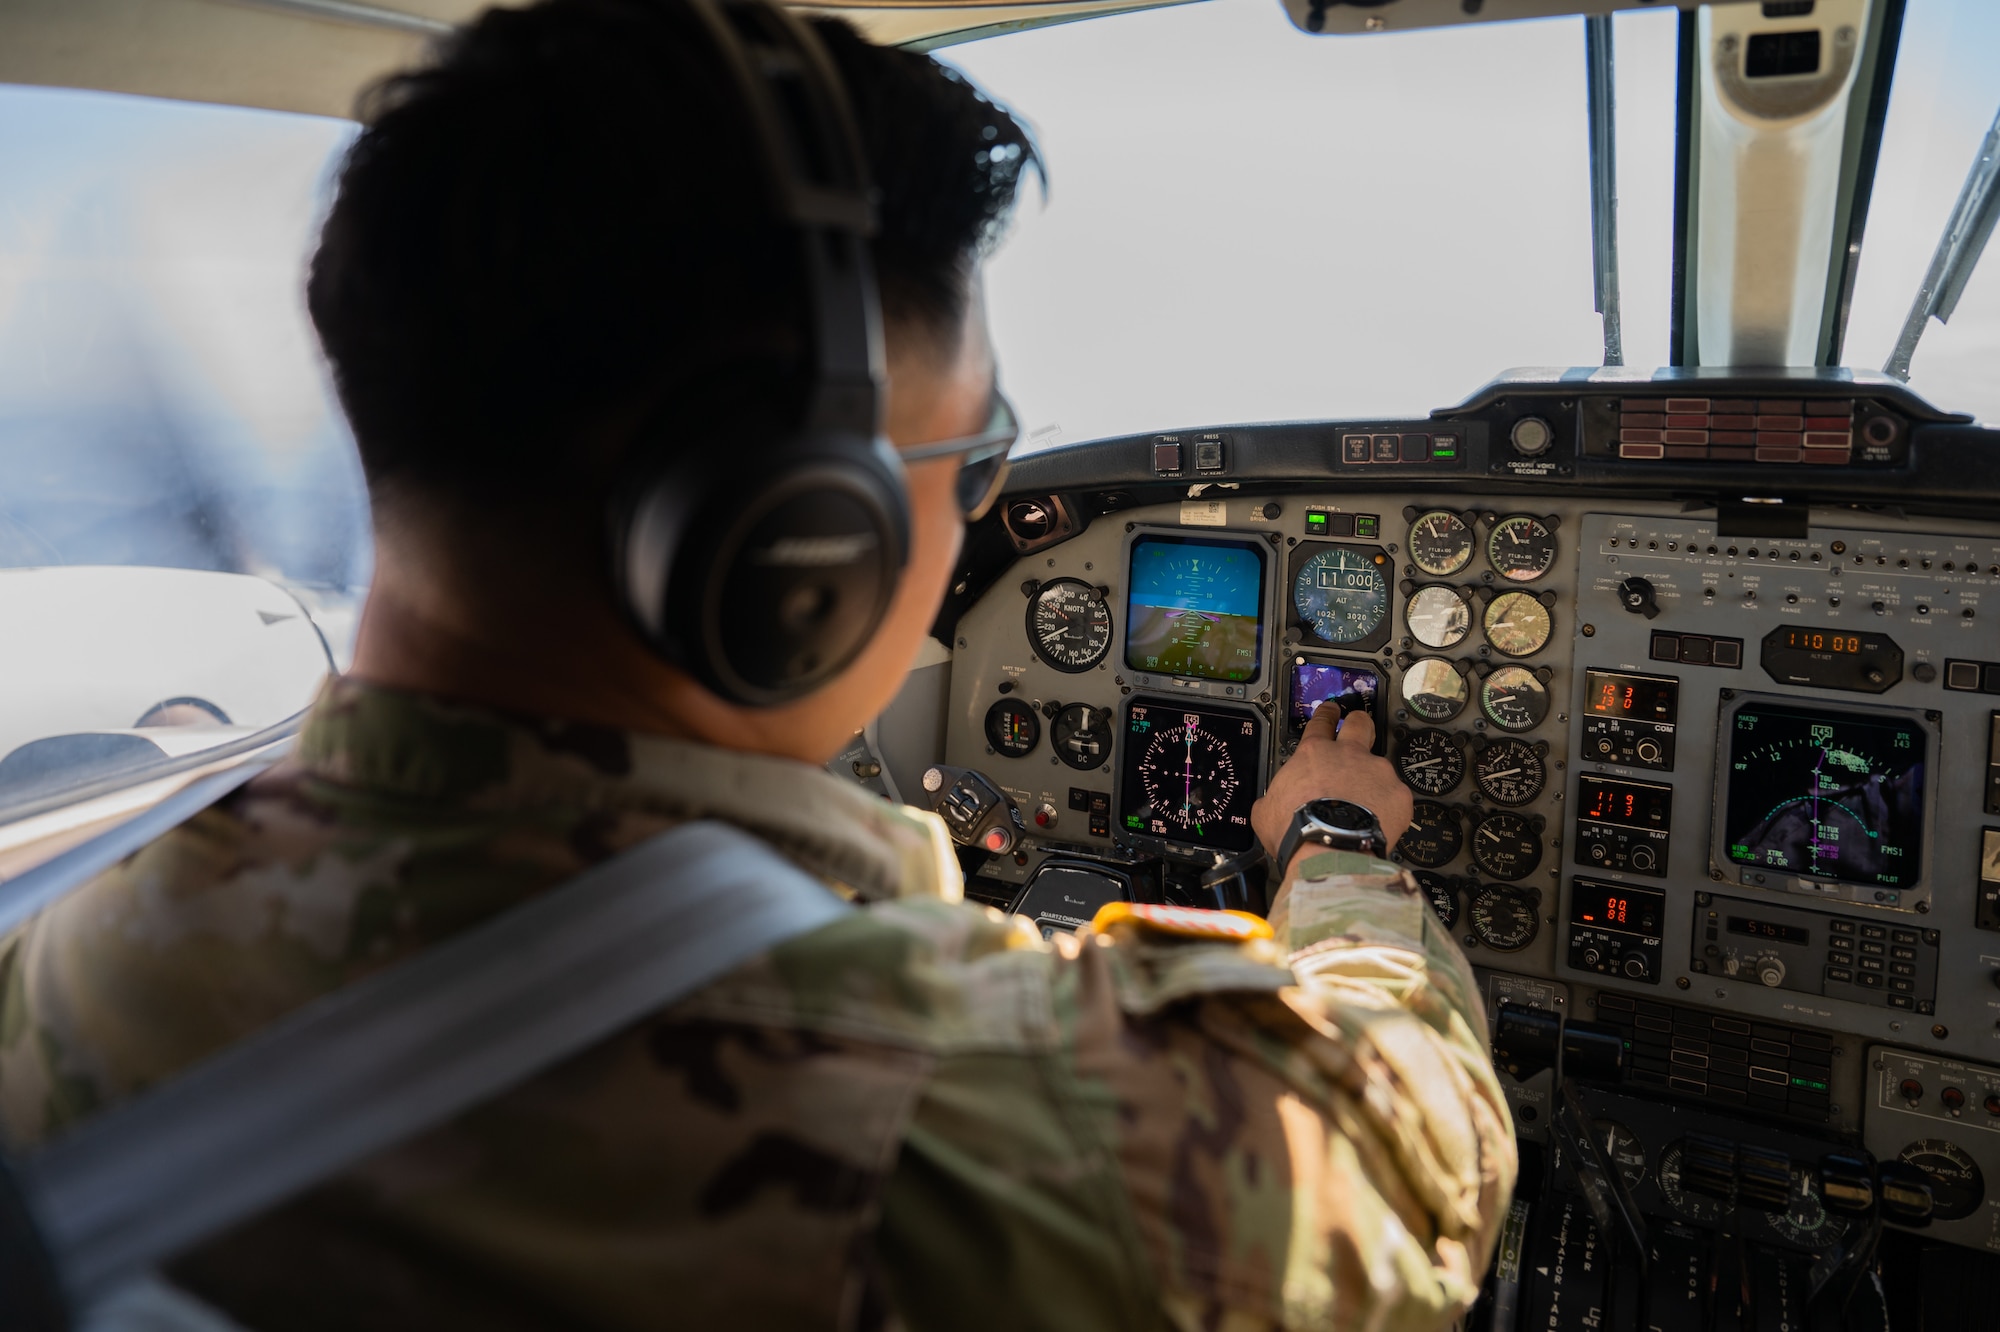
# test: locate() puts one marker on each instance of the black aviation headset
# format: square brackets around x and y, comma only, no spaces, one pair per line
[764,564]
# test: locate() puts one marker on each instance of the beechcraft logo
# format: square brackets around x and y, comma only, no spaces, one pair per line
[816,552]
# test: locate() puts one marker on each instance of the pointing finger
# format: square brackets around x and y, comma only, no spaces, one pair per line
[1357,728]
[1324,724]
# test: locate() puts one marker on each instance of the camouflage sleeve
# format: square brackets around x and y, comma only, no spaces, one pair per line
[1308,1127]
[1428,1164]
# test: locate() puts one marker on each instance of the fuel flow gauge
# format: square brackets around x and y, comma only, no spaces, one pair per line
[1433,837]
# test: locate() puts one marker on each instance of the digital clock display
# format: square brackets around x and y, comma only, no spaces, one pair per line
[1641,697]
[1819,640]
[1765,929]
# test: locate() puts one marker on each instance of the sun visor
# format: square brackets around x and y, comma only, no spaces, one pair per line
[1355,17]
[316,56]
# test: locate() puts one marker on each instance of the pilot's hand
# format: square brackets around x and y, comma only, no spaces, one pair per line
[1330,766]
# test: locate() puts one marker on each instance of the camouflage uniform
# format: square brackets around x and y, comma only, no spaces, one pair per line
[921,1114]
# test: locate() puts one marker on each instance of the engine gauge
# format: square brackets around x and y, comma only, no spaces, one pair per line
[1440,543]
[1622,1150]
[1342,593]
[1081,736]
[1510,771]
[1694,1206]
[1434,690]
[1506,845]
[1443,895]
[1957,1184]
[1012,728]
[1433,836]
[1438,617]
[1521,548]
[1503,918]
[1806,1222]
[1517,624]
[1069,625]
[1513,699]
[1430,762]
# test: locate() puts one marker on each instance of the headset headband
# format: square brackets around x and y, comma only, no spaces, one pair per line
[817,178]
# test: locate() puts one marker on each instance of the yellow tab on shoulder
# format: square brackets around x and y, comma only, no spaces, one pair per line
[1186,922]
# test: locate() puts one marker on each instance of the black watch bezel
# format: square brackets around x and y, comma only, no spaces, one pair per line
[1340,825]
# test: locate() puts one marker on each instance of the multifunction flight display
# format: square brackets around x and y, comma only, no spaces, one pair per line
[1831,795]
[1196,607]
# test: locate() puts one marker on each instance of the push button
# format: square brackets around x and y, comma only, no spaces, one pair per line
[1166,454]
[1356,448]
[1388,448]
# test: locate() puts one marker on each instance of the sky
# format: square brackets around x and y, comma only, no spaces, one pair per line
[1245,223]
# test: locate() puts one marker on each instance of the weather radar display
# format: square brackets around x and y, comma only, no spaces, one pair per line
[1828,795]
[1190,774]
[1195,607]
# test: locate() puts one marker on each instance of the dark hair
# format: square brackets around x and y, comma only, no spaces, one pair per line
[559,218]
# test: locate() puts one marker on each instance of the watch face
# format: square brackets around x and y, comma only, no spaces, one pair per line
[1342,816]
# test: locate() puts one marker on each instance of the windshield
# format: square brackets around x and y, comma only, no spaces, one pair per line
[1245,223]
[1946,94]
[183,529]
[1249,224]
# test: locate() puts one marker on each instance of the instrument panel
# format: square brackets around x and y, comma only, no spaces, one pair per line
[1726,786]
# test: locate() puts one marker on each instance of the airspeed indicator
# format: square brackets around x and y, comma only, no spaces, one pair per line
[1069,626]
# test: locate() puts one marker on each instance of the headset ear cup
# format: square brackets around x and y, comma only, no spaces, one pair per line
[765,591]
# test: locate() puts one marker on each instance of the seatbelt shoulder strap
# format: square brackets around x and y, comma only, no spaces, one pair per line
[402,1051]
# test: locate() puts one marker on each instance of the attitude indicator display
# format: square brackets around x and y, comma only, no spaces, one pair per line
[1190,773]
[1196,607]
[1827,795]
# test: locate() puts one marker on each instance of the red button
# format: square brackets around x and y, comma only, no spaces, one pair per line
[997,839]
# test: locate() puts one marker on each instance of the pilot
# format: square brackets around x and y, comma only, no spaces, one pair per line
[551,249]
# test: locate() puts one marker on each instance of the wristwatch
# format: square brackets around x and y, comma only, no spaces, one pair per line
[1340,824]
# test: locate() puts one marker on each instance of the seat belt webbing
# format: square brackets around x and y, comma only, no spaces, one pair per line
[383,1059]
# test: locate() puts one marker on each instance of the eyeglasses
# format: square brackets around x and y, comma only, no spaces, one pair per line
[982,469]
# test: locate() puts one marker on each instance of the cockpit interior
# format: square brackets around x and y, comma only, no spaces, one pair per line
[1691,664]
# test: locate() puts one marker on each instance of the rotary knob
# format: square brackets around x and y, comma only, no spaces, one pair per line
[1771,970]
[1636,596]
[1649,751]
[1635,967]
